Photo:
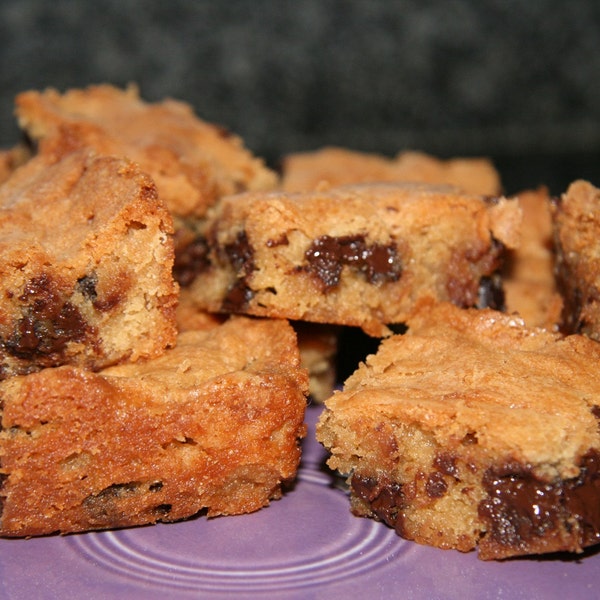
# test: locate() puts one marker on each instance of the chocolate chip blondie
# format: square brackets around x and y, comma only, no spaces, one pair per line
[86,260]
[212,425]
[576,220]
[304,171]
[528,273]
[473,431]
[355,255]
[192,162]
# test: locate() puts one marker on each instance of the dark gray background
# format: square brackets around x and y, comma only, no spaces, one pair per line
[518,81]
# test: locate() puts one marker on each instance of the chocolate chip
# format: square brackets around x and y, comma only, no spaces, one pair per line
[446,463]
[240,255]
[190,261]
[385,499]
[435,485]
[87,286]
[327,256]
[48,324]
[520,507]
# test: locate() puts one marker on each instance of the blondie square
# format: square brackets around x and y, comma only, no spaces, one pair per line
[474,431]
[86,260]
[212,425]
[355,255]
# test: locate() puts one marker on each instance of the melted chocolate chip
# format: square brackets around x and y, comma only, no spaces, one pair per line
[48,324]
[435,485]
[240,254]
[520,507]
[327,255]
[582,498]
[446,463]
[385,500]
[87,286]
[103,507]
[238,296]
[190,261]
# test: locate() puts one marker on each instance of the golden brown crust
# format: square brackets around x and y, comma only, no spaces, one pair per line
[85,264]
[334,166]
[466,402]
[213,424]
[356,255]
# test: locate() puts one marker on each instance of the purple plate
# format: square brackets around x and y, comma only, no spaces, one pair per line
[306,545]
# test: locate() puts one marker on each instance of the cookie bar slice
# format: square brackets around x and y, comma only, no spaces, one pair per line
[576,220]
[357,255]
[212,425]
[192,162]
[528,273]
[305,171]
[472,430]
[86,260]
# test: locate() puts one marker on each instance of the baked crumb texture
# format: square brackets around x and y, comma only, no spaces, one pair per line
[212,425]
[358,255]
[474,431]
[86,260]
[577,239]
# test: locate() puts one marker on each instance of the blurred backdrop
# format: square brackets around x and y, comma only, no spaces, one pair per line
[516,81]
